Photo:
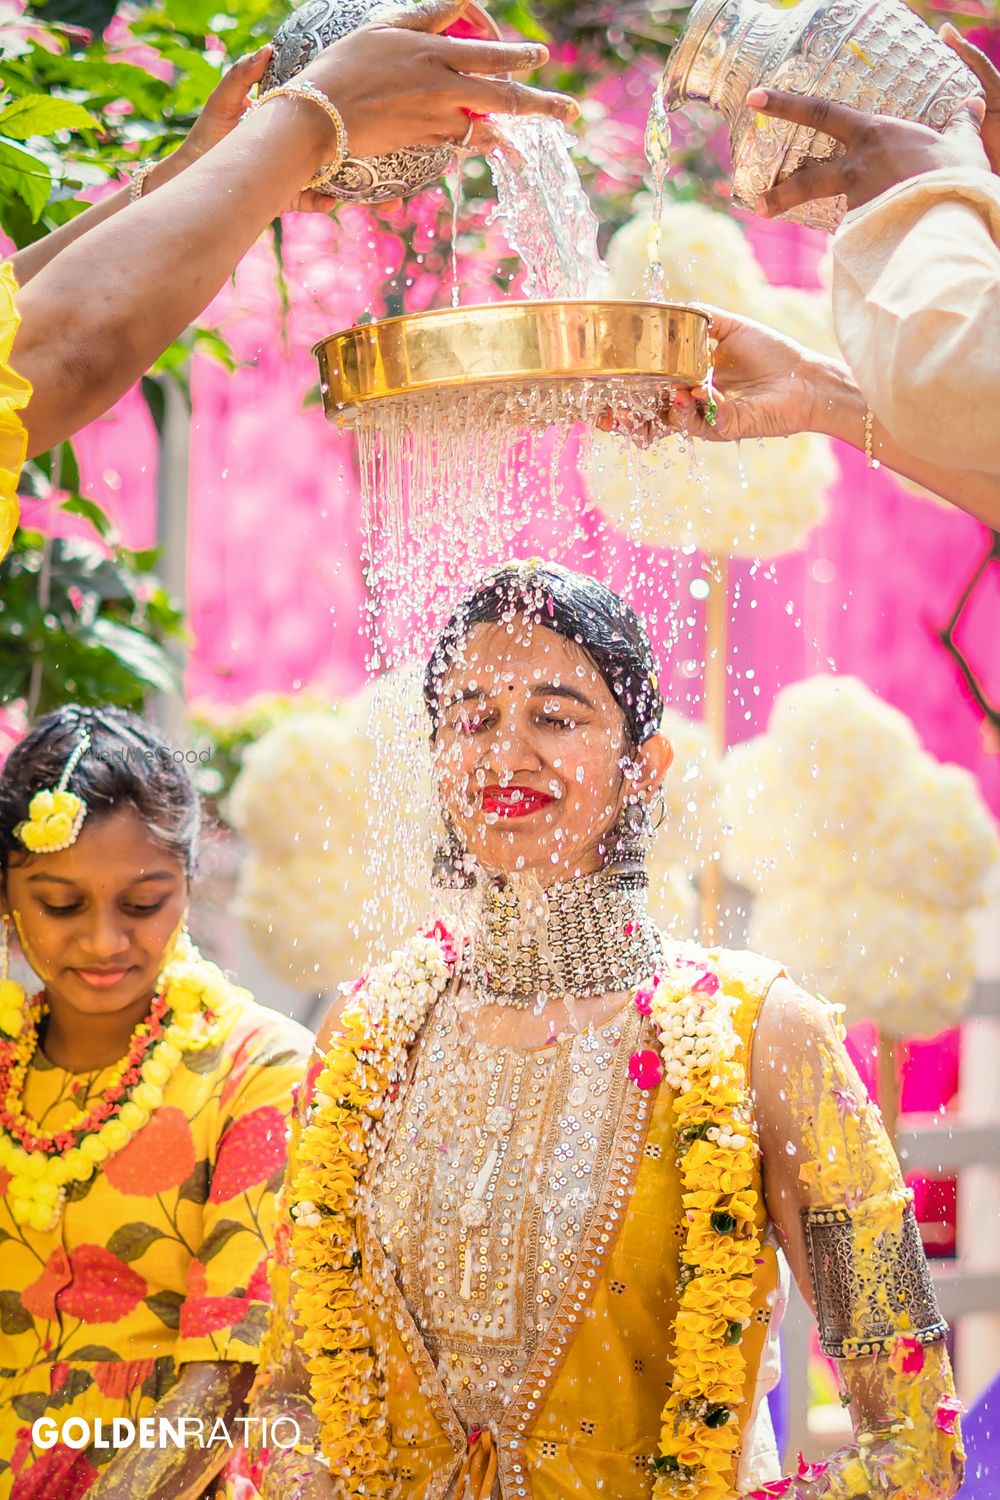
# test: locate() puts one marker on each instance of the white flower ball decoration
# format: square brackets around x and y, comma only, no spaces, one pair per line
[756,499]
[867,856]
[690,828]
[338,861]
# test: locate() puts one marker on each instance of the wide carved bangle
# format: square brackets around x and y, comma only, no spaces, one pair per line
[302,88]
[862,1306]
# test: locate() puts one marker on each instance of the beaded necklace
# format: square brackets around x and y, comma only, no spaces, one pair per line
[193,1007]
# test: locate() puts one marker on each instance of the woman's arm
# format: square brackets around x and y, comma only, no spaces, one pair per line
[836,1197]
[770,386]
[223,110]
[98,315]
[205,1394]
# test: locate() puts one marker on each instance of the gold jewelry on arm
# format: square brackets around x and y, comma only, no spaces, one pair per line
[138,181]
[304,89]
[864,1316]
[873,462]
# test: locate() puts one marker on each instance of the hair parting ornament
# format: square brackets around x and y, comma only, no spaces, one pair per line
[55,814]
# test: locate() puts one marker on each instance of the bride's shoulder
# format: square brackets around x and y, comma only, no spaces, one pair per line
[403,986]
[772,1003]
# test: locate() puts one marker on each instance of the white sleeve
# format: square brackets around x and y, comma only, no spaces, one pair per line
[917,310]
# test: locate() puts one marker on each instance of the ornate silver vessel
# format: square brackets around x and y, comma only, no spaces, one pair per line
[875,55]
[316,25]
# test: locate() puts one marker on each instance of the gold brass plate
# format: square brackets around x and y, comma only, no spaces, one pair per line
[504,342]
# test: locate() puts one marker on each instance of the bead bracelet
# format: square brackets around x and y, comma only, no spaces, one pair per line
[873,462]
[303,89]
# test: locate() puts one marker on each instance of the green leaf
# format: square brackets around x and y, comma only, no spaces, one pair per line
[152,394]
[213,346]
[251,1329]
[77,1190]
[194,1189]
[79,505]
[76,1382]
[13,1318]
[26,176]
[40,114]
[31,1405]
[219,1237]
[203,1060]
[167,1307]
[67,467]
[96,1354]
[145,659]
[133,1240]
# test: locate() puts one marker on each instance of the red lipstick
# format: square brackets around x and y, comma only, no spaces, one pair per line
[514,801]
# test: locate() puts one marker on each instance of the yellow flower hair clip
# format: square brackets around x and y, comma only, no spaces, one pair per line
[55,815]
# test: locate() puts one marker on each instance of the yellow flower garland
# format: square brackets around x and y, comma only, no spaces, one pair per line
[717,1158]
[367,1060]
[199,1006]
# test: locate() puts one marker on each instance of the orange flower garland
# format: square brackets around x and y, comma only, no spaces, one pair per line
[195,1005]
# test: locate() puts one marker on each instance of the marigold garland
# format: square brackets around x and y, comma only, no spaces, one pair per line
[362,1068]
[194,1006]
[717,1156]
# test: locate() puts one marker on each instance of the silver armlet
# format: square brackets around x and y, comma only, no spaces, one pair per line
[862,1305]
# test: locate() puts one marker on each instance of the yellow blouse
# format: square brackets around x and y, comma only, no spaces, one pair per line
[15,393]
[159,1259]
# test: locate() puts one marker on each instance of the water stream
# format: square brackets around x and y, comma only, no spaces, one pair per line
[658,146]
[544,210]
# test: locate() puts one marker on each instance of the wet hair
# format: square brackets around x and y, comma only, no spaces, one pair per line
[576,607]
[128,765]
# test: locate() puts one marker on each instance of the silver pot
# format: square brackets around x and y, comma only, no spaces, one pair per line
[875,55]
[316,25]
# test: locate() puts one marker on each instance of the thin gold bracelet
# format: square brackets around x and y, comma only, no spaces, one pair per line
[873,462]
[139,180]
[304,89]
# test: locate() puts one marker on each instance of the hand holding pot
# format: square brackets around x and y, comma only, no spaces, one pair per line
[879,151]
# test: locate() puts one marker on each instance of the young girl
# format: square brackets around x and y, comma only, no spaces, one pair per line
[143,1104]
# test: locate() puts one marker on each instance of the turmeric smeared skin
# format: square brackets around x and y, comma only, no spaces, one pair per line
[825,1148]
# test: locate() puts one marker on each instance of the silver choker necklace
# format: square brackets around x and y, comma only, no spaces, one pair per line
[582,937]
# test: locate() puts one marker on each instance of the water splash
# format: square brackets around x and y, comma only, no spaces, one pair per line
[544,210]
[449,478]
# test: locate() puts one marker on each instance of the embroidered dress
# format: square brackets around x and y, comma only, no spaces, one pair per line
[492,1176]
[159,1259]
[507,1172]
[15,394]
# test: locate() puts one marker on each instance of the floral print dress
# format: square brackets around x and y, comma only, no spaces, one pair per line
[159,1259]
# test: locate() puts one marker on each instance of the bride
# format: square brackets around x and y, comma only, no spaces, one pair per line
[553,1165]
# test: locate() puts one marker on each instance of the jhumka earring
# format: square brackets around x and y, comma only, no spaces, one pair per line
[452,868]
[629,843]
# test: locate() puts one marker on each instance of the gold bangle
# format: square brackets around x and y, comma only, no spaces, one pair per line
[139,180]
[873,462]
[304,89]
